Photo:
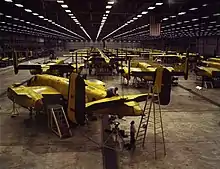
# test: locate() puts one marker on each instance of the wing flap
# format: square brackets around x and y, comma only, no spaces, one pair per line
[62,67]
[115,101]
[127,109]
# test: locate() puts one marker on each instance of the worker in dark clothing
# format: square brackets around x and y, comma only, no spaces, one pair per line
[132,135]
[112,91]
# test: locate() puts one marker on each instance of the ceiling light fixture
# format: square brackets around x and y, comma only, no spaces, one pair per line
[144,12]
[8,16]
[193,9]
[195,20]
[8,1]
[159,3]
[35,14]
[182,13]
[165,19]
[205,17]
[40,17]
[111,2]
[139,16]
[64,6]
[28,10]
[108,7]
[60,1]
[19,5]
[151,7]
[68,11]
[216,14]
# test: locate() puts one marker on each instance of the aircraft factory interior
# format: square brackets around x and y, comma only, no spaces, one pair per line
[109,84]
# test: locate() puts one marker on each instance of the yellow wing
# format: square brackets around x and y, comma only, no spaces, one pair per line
[115,101]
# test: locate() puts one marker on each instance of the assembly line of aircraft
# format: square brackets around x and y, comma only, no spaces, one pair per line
[79,96]
[209,69]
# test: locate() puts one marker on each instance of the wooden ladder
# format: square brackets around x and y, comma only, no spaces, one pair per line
[57,121]
[152,118]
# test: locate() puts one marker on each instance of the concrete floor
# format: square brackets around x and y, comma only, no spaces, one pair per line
[191,126]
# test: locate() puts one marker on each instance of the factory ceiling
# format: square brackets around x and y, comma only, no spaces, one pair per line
[91,20]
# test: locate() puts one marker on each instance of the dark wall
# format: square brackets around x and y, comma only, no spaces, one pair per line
[179,45]
[202,45]
[22,42]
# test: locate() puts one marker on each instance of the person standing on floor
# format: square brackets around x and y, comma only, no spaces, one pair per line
[132,135]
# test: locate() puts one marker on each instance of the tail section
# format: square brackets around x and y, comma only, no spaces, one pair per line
[186,68]
[162,85]
[15,62]
[183,68]
[76,99]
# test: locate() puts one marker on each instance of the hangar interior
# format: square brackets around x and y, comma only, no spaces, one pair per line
[61,61]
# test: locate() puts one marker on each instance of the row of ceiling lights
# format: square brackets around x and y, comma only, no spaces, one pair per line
[136,34]
[32,24]
[105,16]
[182,33]
[193,20]
[134,19]
[173,16]
[166,32]
[43,18]
[191,34]
[141,27]
[182,13]
[177,30]
[68,11]
[36,30]
[21,31]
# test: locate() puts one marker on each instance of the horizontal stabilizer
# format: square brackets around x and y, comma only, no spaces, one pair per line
[62,67]
[29,67]
[117,59]
[143,73]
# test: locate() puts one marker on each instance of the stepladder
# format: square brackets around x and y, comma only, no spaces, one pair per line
[151,125]
[58,122]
